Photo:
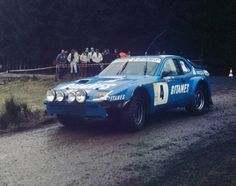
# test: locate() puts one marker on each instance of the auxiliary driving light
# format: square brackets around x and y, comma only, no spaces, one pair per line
[51,95]
[81,96]
[71,97]
[60,96]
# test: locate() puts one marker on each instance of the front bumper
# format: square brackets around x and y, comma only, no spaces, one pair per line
[91,110]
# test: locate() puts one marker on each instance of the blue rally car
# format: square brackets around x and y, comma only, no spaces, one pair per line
[132,88]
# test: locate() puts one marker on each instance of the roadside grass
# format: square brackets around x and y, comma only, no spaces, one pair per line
[31,91]
[21,102]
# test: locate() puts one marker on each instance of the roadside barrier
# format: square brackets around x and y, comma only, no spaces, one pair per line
[84,69]
[31,70]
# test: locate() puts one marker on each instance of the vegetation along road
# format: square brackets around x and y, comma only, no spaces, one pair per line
[173,149]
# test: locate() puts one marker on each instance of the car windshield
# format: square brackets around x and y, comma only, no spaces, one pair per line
[128,67]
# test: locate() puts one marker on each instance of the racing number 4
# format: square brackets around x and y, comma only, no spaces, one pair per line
[161,93]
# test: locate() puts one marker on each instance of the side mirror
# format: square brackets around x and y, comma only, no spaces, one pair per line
[165,73]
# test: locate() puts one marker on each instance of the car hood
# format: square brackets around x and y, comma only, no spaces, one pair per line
[105,83]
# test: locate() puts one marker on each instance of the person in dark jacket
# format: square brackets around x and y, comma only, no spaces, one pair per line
[61,60]
[115,54]
[107,56]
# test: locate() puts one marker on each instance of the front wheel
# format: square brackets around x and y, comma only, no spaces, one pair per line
[198,105]
[134,114]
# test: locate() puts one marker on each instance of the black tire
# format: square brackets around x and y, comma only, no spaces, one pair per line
[69,121]
[199,104]
[134,114]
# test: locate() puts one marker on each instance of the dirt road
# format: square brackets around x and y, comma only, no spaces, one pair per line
[100,154]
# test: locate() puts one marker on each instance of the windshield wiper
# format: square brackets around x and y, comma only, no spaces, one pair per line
[123,68]
[145,69]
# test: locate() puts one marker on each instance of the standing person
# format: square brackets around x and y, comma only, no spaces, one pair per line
[97,58]
[84,59]
[90,54]
[87,50]
[60,64]
[66,66]
[122,54]
[129,54]
[73,59]
[104,54]
[107,57]
[76,61]
[111,56]
[115,54]
[90,66]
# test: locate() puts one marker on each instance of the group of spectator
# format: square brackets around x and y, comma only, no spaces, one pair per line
[88,56]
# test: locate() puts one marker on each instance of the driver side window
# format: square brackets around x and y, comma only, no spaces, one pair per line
[169,68]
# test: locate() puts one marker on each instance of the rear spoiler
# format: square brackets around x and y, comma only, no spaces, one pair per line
[198,63]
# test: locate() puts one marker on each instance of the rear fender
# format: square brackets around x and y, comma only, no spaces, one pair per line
[203,81]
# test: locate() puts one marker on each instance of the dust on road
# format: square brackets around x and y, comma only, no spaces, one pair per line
[100,154]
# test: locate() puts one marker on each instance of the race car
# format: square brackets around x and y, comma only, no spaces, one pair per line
[132,88]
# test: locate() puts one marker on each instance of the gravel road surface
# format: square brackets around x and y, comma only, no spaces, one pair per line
[99,154]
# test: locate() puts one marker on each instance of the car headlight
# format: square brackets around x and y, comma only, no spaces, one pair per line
[51,95]
[71,97]
[81,96]
[100,95]
[60,96]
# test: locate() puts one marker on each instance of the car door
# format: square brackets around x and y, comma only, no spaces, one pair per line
[184,79]
[171,78]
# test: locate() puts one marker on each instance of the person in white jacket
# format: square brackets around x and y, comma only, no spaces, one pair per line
[97,58]
[90,54]
[73,59]
[84,59]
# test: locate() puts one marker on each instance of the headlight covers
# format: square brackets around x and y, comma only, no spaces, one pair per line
[60,96]
[51,95]
[81,96]
[71,97]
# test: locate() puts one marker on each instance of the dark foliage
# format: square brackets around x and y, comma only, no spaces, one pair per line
[14,115]
[33,32]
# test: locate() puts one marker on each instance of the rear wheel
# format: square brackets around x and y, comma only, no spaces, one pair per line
[69,121]
[134,114]
[199,103]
